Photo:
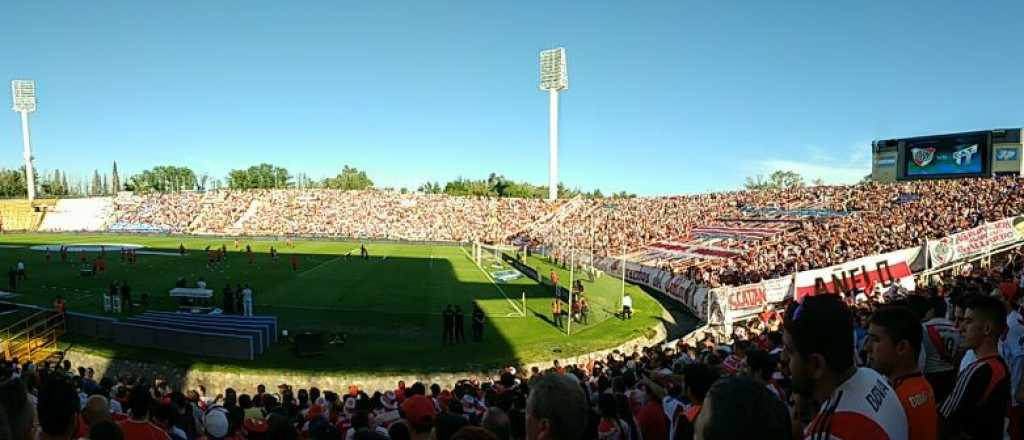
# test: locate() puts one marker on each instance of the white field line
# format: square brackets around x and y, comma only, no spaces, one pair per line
[514,306]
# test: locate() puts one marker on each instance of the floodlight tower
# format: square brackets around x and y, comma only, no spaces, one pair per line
[24,93]
[554,78]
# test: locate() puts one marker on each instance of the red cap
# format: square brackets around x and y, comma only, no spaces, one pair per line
[419,410]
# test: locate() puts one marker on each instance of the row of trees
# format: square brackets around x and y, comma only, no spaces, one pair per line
[171,178]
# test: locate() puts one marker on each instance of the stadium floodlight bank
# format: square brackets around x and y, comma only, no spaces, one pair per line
[554,77]
[23,92]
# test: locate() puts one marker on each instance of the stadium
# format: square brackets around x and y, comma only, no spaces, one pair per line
[167,303]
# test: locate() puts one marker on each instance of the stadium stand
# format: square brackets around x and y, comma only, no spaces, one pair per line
[18,215]
[78,215]
[717,239]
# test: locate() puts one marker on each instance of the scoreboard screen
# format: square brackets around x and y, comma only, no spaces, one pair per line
[953,155]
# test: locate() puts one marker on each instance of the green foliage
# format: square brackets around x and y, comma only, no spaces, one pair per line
[115,180]
[12,183]
[165,178]
[350,178]
[777,180]
[263,175]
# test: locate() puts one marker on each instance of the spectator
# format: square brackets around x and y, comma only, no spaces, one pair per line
[419,414]
[894,342]
[57,409]
[556,408]
[737,407]
[497,422]
[15,404]
[980,398]
[819,345]
[138,426]
[105,430]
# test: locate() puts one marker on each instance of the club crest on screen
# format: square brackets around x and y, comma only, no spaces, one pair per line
[923,156]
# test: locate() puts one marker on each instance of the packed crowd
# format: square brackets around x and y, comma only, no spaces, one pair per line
[867,219]
[330,213]
[863,220]
[945,362]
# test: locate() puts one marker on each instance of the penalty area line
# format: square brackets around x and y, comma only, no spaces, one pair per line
[495,283]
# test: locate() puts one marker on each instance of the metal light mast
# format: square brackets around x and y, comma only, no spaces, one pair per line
[24,93]
[554,78]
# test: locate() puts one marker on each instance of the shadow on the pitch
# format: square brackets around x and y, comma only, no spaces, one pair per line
[388,310]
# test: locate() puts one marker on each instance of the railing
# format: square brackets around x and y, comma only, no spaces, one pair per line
[30,336]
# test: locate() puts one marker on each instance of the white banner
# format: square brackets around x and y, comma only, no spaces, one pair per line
[745,301]
[860,275]
[975,241]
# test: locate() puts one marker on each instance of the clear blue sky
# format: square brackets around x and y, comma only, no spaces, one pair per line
[666,97]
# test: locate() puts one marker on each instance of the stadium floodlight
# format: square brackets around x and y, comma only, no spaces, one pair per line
[554,77]
[23,91]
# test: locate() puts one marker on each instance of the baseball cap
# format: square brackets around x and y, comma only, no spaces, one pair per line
[419,410]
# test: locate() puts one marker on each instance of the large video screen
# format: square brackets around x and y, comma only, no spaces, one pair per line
[946,155]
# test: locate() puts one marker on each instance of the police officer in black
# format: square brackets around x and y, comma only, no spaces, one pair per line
[449,324]
[460,324]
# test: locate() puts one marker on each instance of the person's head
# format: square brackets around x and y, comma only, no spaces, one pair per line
[959,308]
[139,400]
[245,401]
[698,379]
[736,407]
[57,408]
[920,306]
[18,409]
[761,365]
[556,408]
[96,409]
[894,339]
[105,430]
[983,322]
[418,412]
[497,422]
[448,424]
[818,341]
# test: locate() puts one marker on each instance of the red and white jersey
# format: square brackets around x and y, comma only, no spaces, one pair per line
[1011,345]
[941,342]
[864,407]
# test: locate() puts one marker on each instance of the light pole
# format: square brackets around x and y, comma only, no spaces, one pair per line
[24,93]
[554,78]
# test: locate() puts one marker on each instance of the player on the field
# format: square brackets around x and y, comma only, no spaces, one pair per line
[295,262]
[978,404]
[857,403]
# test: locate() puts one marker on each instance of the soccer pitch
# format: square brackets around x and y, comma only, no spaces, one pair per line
[388,306]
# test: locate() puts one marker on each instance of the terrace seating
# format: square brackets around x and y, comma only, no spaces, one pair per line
[76,215]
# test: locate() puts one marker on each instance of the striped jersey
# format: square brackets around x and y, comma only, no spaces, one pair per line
[979,400]
[864,407]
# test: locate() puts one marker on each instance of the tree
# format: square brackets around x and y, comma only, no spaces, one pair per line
[430,188]
[777,180]
[263,175]
[350,178]
[818,182]
[115,180]
[165,178]
[97,184]
[65,189]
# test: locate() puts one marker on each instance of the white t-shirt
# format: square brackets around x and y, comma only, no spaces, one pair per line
[627,301]
[21,265]
[863,407]
[247,295]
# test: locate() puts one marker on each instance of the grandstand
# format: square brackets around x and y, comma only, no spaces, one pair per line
[78,215]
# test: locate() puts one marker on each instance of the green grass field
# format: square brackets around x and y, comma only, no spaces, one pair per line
[389,306]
